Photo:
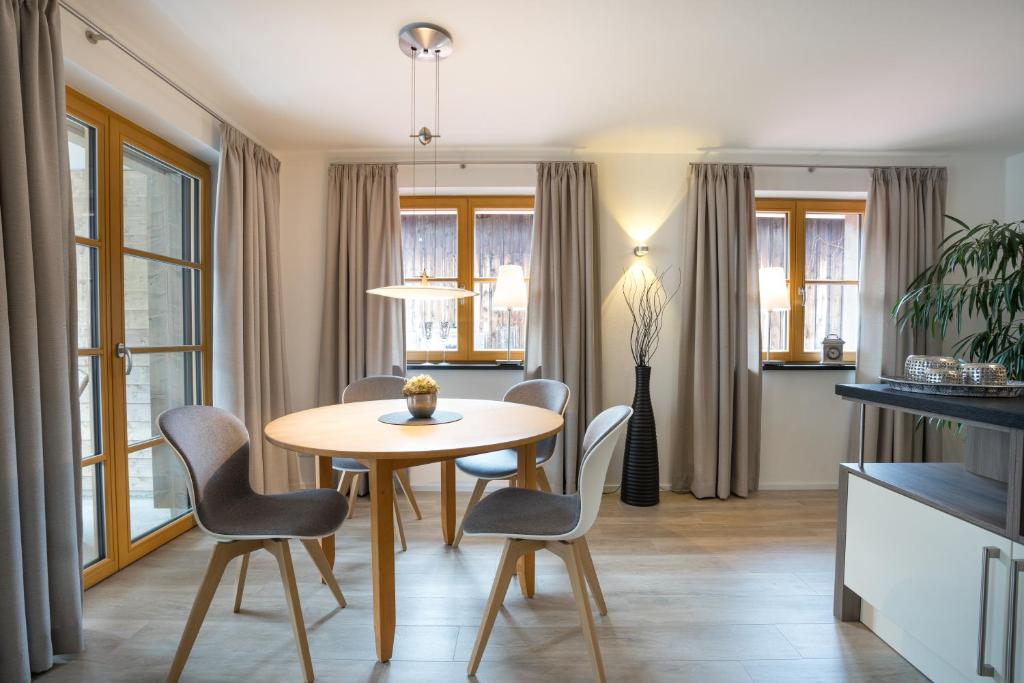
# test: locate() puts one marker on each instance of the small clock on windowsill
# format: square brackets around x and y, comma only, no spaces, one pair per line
[832,350]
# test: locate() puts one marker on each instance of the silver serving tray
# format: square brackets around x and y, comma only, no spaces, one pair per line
[1009,390]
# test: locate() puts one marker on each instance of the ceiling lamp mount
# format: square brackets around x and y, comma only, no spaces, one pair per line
[425,41]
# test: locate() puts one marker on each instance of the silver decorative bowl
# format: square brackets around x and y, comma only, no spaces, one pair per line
[989,374]
[421,405]
[941,377]
[917,367]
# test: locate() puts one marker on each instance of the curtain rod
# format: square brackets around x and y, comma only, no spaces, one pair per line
[96,34]
[468,162]
[811,167]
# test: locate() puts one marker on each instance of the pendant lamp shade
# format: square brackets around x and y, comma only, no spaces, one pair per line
[424,291]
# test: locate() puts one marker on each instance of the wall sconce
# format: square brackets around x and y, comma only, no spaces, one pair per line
[641,250]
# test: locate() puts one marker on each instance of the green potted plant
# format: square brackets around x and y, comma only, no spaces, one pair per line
[975,290]
[421,395]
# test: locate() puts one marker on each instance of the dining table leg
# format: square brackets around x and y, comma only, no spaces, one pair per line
[382,540]
[325,480]
[526,477]
[448,501]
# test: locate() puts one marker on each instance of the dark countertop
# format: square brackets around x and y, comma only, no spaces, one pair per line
[1007,413]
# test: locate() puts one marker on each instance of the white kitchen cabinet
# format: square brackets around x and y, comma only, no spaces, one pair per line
[918,572]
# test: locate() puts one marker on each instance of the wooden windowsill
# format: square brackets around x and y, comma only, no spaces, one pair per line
[463,366]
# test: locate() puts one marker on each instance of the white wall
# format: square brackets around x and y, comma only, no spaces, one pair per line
[805,428]
[1015,188]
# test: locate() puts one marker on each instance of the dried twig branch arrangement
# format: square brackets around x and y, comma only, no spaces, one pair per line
[647,297]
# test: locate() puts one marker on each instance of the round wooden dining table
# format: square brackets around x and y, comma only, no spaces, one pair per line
[352,430]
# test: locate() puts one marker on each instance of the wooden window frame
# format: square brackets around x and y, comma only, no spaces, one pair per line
[467,206]
[113,131]
[797,210]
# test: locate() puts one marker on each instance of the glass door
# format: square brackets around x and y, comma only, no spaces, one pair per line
[161,325]
[142,231]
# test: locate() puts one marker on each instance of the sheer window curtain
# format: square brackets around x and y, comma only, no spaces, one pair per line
[720,348]
[250,374]
[40,474]
[362,335]
[563,332]
[902,231]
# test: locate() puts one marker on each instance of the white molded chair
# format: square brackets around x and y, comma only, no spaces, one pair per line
[213,445]
[531,520]
[504,464]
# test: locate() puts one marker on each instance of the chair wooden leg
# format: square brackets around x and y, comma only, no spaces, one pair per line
[316,553]
[478,492]
[403,480]
[344,482]
[399,527]
[570,554]
[240,584]
[542,480]
[222,554]
[509,554]
[279,549]
[590,572]
[353,493]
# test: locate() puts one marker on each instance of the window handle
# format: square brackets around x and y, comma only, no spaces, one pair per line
[802,291]
[124,352]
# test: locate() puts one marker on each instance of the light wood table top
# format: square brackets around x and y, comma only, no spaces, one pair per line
[353,430]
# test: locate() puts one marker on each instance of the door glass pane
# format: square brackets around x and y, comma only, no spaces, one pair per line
[161,207]
[82,158]
[158,382]
[89,402]
[492,330]
[161,303]
[432,325]
[501,238]
[157,489]
[830,309]
[93,524]
[88,296]
[773,251]
[430,242]
[833,246]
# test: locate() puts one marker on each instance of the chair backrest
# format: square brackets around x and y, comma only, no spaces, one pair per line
[542,393]
[213,445]
[375,388]
[599,443]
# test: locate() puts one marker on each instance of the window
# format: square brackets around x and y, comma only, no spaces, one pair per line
[461,242]
[817,242]
[142,226]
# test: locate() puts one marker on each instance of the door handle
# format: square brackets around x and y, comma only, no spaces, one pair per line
[988,553]
[1011,625]
[124,352]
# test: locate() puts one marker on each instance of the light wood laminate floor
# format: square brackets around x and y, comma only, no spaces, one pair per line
[736,590]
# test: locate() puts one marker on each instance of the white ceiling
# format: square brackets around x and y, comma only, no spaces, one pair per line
[602,75]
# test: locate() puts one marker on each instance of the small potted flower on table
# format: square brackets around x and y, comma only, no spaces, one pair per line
[421,395]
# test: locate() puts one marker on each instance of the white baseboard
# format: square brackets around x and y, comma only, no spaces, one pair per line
[798,486]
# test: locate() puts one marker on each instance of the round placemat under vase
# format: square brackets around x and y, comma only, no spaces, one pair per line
[404,418]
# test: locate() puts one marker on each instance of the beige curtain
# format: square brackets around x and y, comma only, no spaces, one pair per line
[563,332]
[720,349]
[250,375]
[362,334]
[40,474]
[902,230]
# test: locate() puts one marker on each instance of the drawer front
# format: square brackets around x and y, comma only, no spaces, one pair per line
[922,569]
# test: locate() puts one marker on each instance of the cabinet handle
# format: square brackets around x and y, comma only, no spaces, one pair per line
[987,553]
[1011,624]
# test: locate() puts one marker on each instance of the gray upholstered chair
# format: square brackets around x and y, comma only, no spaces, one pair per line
[213,445]
[375,388]
[503,465]
[531,520]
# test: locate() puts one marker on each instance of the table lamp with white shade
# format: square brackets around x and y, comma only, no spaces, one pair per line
[774,297]
[510,292]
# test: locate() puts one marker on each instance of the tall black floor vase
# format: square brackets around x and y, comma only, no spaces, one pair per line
[640,462]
